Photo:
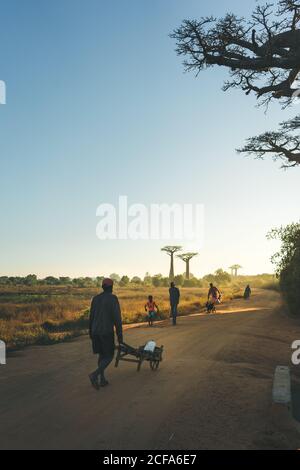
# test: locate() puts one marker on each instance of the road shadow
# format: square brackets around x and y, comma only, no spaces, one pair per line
[296,399]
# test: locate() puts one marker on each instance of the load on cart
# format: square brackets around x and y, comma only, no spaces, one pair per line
[148,352]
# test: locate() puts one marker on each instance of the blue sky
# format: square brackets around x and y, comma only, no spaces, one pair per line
[98,106]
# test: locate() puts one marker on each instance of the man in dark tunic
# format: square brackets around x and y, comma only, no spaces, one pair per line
[174,301]
[105,315]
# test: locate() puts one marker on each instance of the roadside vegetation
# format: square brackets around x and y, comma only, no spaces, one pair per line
[287,262]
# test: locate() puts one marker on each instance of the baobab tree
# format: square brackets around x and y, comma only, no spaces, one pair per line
[186,257]
[234,269]
[170,250]
[262,55]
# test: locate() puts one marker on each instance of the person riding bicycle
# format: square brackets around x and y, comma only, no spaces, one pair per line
[213,297]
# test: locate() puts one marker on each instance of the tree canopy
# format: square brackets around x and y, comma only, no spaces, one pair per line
[262,55]
[290,243]
[287,261]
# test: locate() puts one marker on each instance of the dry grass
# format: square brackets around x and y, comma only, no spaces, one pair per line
[44,315]
[192,299]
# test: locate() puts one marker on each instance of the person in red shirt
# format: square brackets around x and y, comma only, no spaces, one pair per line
[151,308]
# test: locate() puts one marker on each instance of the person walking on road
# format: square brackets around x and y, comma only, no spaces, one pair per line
[247,292]
[105,315]
[174,301]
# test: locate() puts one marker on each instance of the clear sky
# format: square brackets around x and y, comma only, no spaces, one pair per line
[98,106]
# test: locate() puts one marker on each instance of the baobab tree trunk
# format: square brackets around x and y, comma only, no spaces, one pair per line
[171,275]
[187,272]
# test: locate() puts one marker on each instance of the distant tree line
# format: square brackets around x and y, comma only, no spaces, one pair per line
[156,280]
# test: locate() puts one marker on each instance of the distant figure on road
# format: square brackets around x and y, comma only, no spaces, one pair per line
[151,308]
[105,314]
[247,292]
[213,298]
[174,301]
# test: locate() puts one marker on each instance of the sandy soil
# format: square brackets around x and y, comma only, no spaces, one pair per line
[212,391]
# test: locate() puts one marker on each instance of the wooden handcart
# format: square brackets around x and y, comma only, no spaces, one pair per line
[139,355]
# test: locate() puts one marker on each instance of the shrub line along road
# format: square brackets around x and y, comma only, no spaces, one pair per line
[212,391]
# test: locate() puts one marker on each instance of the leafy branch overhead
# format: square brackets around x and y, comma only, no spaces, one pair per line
[262,55]
[290,244]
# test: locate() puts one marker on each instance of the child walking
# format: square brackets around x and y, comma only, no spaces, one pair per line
[150,307]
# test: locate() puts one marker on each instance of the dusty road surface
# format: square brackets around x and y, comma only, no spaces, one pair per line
[212,391]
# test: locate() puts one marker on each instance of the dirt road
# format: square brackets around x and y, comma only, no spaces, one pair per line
[212,391]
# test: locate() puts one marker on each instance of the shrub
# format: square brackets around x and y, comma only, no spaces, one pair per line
[287,262]
[290,283]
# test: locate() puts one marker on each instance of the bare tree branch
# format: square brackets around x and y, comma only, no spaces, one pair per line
[262,55]
[283,144]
